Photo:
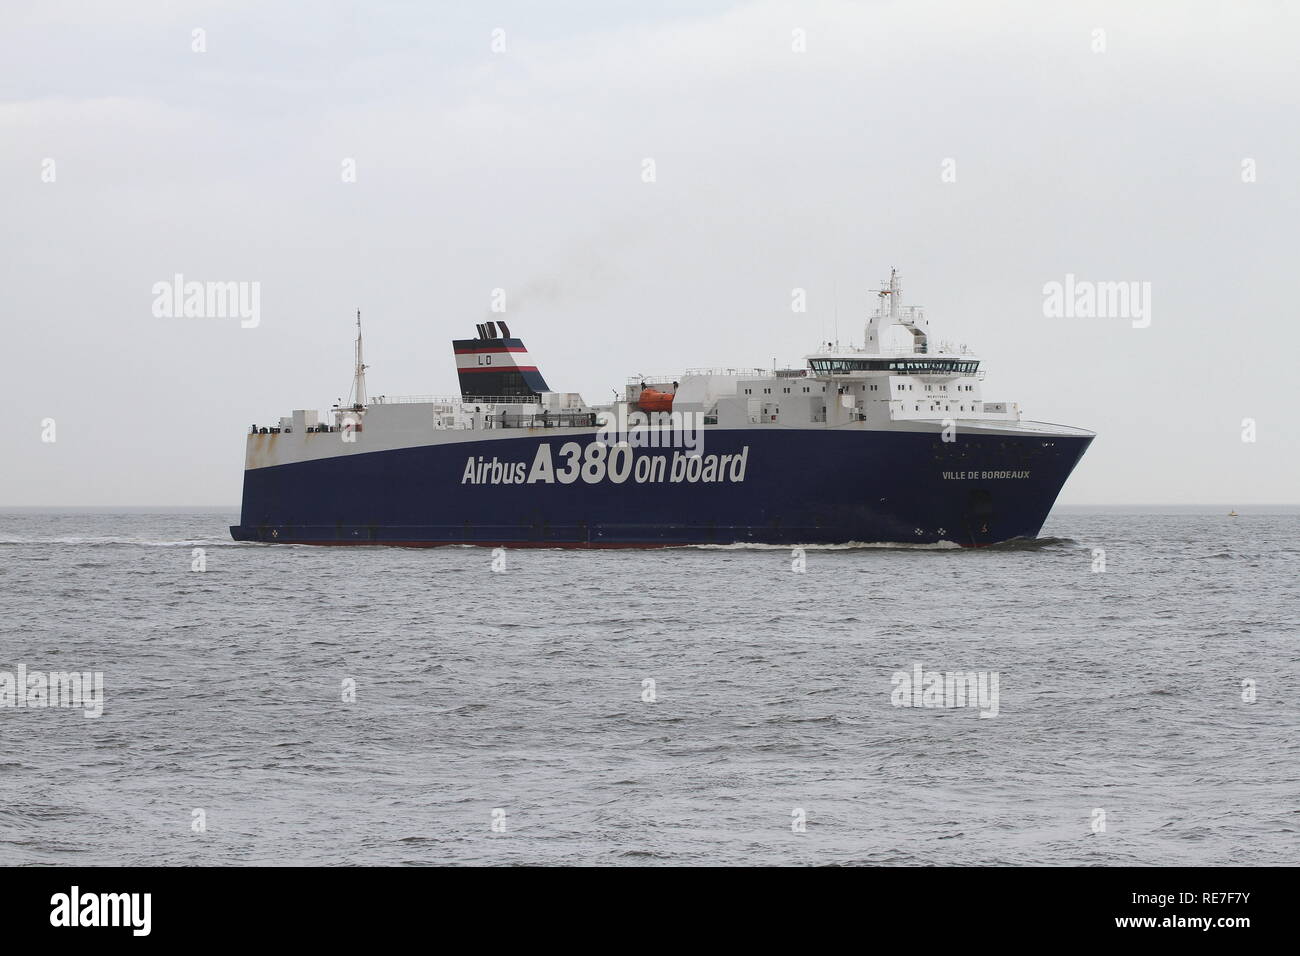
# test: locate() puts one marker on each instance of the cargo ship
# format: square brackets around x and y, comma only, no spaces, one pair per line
[886,442]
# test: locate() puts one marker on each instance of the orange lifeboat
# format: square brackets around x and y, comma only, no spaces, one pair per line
[653,400]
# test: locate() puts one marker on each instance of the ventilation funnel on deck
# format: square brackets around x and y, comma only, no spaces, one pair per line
[491,367]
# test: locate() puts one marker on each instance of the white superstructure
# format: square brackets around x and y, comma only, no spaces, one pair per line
[879,385]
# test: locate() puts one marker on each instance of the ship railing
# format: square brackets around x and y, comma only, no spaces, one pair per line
[415,400]
[498,400]
[731,372]
[454,400]
[660,378]
[678,376]
[546,420]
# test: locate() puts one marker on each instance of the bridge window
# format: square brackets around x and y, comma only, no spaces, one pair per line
[927,366]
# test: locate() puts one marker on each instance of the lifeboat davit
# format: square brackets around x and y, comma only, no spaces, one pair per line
[653,400]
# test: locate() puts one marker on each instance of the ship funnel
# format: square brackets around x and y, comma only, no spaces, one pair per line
[491,367]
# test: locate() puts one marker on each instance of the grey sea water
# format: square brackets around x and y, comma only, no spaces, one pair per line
[521,691]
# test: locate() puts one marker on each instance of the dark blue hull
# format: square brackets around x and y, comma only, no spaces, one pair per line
[797,487]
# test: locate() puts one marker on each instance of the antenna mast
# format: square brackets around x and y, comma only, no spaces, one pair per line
[359,377]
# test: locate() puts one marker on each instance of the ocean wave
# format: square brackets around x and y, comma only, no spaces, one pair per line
[91,542]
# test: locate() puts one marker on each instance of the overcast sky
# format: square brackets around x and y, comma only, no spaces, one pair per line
[523,169]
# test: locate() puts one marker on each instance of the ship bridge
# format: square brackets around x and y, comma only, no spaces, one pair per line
[891,377]
[883,381]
